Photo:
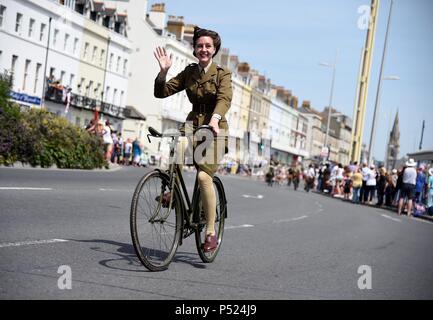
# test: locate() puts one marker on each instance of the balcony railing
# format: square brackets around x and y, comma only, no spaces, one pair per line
[84,102]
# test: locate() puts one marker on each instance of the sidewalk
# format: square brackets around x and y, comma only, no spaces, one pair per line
[392,209]
[18,165]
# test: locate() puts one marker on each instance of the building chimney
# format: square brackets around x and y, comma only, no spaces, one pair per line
[176,26]
[157,16]
[188,33]
[306,104]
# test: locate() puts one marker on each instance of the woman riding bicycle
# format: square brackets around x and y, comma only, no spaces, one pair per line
[209,89]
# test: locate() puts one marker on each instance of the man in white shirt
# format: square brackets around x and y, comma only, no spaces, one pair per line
[408,187]
[364,171]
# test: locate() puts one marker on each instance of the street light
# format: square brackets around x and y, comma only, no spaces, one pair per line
[333,66]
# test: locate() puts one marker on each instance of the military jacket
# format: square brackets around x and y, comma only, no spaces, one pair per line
[214,90]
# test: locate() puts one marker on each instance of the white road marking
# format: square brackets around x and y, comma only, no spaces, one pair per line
[26,188]
[254,197]
[239,227]
[290,220]
[391,218]
[26,243]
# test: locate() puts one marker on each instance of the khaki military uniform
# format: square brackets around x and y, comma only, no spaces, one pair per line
[209,94]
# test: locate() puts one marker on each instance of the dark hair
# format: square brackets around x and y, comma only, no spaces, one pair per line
[198,32]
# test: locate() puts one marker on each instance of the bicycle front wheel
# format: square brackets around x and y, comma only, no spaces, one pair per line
[221,212]
[155,229]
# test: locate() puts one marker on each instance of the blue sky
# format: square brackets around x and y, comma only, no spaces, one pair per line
[286,40]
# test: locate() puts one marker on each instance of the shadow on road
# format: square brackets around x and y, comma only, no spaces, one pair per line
[125,253]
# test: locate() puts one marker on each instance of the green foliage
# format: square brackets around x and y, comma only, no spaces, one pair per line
[40,138]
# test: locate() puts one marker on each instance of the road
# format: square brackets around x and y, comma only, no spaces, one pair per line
[278,244]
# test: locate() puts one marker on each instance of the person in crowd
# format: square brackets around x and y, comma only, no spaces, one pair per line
[356,184]
[430,188]
[105,132]
[390,188]
[347,184]
[408,187]
[421,181]
[289,176]
[381,186]
[127,152]
[309,178]
[370,185]
[136,152]
[91,126]
[296,177]
[270,176]
[326,178]
[365,170]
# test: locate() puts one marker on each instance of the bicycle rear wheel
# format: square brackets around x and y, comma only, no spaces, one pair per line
[155,230]
[221,213]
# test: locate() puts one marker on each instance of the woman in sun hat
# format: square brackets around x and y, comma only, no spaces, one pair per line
[408,186]
[421,181]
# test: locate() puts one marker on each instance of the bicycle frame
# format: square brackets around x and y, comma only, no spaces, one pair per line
[176,177]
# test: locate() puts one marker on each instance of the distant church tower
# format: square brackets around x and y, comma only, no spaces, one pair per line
[393,149]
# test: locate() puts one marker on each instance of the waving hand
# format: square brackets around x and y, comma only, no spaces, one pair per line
[164,59]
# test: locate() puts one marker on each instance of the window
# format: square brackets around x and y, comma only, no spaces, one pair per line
[65,44]
[71,80]
[118,64]
[2,14]
[95,48]
[89,88]
[26,74]
[97,91]
[80,86]
[125,65]
[101,59]
[56,34]
[121,98]
[18,22]
[107,92]
[114,96]
[75,46]
[52,71]
[86,50]
[42,33]
[38,69]
[13,66]
[111,61]
[62,76]
[31,27]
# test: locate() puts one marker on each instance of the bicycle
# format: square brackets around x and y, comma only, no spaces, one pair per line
[162,214]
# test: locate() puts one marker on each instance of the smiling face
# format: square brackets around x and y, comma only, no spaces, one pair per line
[204,50]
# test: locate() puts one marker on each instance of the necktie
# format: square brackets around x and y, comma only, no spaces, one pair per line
[202,73]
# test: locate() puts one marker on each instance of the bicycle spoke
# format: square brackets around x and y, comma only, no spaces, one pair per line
[156,228]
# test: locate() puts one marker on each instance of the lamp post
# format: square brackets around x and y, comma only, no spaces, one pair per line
[333,66]
[379,87]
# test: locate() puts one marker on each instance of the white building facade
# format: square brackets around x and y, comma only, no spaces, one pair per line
[64,40]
